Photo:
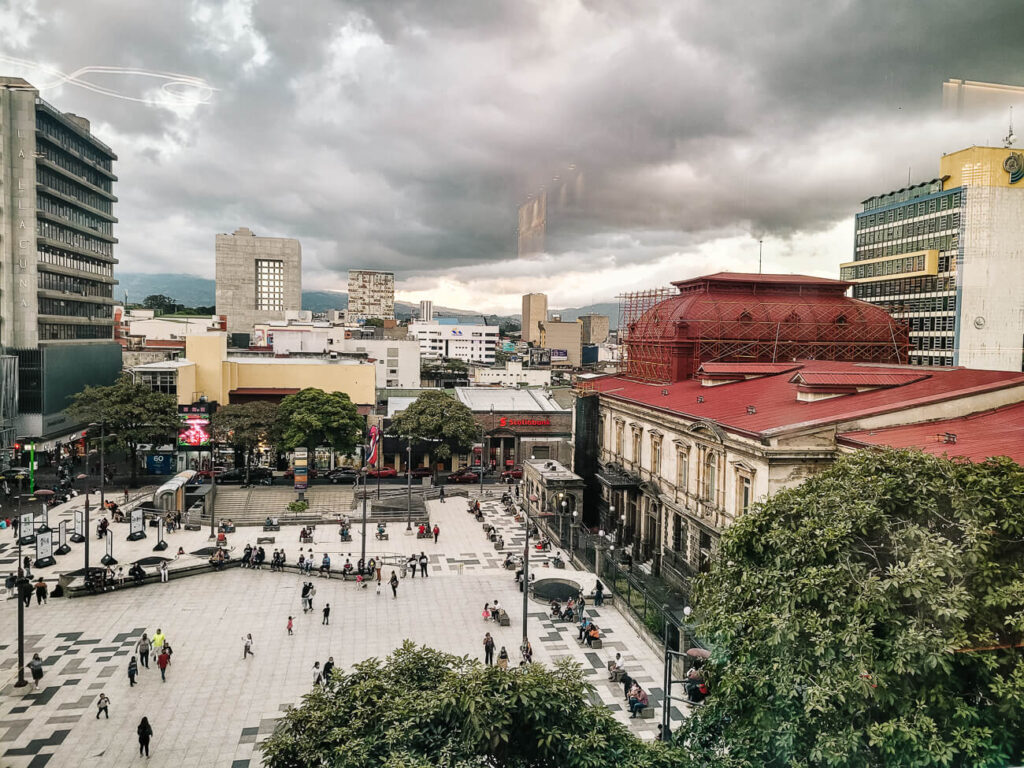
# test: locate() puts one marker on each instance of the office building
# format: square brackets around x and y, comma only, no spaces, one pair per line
[258,278]
[971,98]
[596,328]
[371,294]
[513,374]
[56,258]
[426,311]
[535,312]
[446,337]
[563,341]
[946,256]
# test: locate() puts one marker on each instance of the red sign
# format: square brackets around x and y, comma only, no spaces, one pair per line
[504,421]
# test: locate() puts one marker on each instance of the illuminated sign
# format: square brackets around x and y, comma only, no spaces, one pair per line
[504,421]
[194,432]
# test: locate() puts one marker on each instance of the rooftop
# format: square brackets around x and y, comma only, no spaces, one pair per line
[507,399]
[768,405]
[762,279]
[550,469]
[999,432]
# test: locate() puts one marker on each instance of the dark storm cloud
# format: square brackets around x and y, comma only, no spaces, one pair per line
[405,134]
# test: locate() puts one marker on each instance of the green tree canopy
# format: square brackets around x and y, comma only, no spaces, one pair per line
[133,412]
[245,425]
[871,617]
[162,304]
[438,417]
[312,417]
[422,708]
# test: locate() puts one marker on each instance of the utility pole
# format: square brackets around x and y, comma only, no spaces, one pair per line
[408,487]
[363,450]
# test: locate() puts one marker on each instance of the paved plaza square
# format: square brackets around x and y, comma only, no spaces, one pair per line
[215,707]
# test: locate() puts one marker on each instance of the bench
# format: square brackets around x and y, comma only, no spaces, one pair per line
[424,535]
[381,537]
[264,539]
[305,539]
[498,544]
[192,527]
[503,619]
[647,713]
[271,527]
[226,529]
[597,644]
[346,537]
[605,600]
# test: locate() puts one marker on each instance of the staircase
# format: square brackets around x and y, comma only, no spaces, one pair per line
[252,506]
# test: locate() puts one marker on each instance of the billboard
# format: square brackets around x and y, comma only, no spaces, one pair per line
[301,469]
[194,431]
[559,355]
[540,357]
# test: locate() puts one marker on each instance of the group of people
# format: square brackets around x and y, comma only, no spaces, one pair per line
[422,561]
[159,646]
[588,631]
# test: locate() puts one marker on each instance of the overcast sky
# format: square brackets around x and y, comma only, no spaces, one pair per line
[403,135]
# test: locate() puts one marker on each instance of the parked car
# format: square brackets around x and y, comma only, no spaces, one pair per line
[343,475]
[13,472]
[382,472]
[310,473]
[422,472]
[216,471]
[516,473]
[237,475]
[464,475]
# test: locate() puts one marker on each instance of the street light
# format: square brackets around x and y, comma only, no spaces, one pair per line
[565,507]
[571,549]
[408,487]
[22,584]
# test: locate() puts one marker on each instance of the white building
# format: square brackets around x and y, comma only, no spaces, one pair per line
[426,311]
[371,294]
[450,339]
[513,374]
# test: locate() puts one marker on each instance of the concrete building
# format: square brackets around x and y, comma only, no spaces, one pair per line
[946,256]
[512,374]
[535,312]
[207,370]
[564,341]
[596,328]
[448,338]
[517,424]
[554,496]
[258,278]
[56,258]
[426,311]
[371,294]
[681,461]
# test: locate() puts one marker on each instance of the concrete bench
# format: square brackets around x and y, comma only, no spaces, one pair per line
[503,619]
[193,527]
[606,600]
[381,536]
[647,713]
[271,527]
[597,644]
[346,538]
[264,539]
[424,535]
[305,539]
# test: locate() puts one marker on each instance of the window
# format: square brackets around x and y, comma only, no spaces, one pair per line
[682,469]
[679,535]
[636,445]
[743,493]
[710,477]
[160,381]
[541,452]
[269,284]
[655,455]
[619,428]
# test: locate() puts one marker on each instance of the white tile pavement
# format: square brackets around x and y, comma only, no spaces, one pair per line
[215,707]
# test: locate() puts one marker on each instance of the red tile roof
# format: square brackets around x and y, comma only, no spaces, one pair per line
[747,369]
[777,408]
[856,379]
[755,277]
[999,432]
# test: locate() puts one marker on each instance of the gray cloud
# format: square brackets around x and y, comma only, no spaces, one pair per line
[404,135]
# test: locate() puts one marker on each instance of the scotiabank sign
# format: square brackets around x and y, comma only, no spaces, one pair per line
[505,421]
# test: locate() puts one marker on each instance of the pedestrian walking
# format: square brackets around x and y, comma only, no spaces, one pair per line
[145,731]
[394,585]
[440,495]
[503,658]
[133,670]
[162,661]
[158,640]
[318,674]
[327,614]
[378,582]
[36,667]
[423,565]
[328,668]
[42,592]
[101,706]
[412,566]
[305,596]
[247,651]
[488,649]
[143,649]
[437,532]
[163,572]
[290,626]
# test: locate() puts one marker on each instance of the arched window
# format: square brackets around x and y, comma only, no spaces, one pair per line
[710,476]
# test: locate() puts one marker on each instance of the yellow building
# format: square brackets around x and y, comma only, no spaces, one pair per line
[208,370]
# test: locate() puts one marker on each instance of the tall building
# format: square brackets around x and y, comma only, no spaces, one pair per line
[535,311]
[56,258]
[258,278]
[426,311]
[947,257]
[563,341]
[371,294]
[595,328]
[448,338]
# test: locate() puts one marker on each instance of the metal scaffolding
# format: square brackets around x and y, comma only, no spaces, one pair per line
[645,357]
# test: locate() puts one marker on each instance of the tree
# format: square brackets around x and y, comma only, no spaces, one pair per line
[312,417]
[245,425]
[133,412]
[874,616]
[421,708]
[501,356]
[160,303]
[509,328]
[373,322]
[434,416]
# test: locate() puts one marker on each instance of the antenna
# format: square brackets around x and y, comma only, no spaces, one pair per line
[1010,137]
[908,175]
[760,243]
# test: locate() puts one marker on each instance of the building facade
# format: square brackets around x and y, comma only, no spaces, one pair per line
[535,312]
[371,294]
[596,328]
[258,278]
[564,342]
[516,425]
[513,374]
[447,338]
[56,257]
[946,257]
[426,311]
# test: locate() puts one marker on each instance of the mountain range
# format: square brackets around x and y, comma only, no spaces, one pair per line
[195,291]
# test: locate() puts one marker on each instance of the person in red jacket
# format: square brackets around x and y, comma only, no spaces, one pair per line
[436,532]
[162,661]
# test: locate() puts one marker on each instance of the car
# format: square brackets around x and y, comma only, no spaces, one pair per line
[421,472]
[237,475]
[464,475]
[516,473]
[343,475]
[13,472]
[382,472]
[213,472]
[310,473]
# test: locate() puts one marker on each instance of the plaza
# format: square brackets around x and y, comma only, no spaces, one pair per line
[215,707]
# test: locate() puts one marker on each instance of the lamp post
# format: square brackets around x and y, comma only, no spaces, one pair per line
[571,526]
[363,450]
[22,584]
[612,520]
[524,505]
[408,486]
[561,522]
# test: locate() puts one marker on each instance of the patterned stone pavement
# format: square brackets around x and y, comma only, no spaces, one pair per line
[215,708]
